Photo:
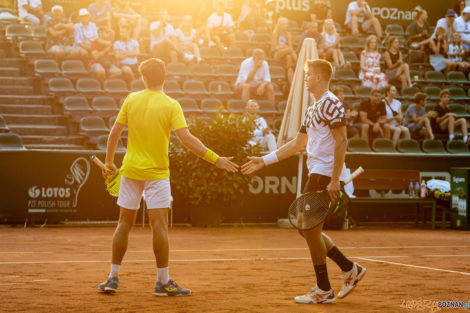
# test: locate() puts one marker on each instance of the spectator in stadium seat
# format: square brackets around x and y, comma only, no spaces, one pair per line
[462,25]
[31,11]
[123,13]
[396,68]
[126,51]
[270,15]
[311,31]
[282,48]
[419,31]
[220,27]
[394,115]
[459,7]
[321,11]
[417,120]
[186,38]
[59,35]
[100,13]
[456,53]
[370,73]
[439,47]
[254,77]
[351,127]
[261,134]
[331,40]
[446,23]
[448,121]
[162,40]
[373,117]
[359,12]
[101,59]
[85,33]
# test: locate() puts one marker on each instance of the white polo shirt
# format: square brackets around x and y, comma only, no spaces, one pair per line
[353,7]
[261,75]
[83,33]
[165,33]
[127,47]
[216,20]
[33,3]
[462,27]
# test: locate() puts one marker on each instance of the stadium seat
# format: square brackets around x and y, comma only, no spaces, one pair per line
[394,30]
[458,109]
[189,105]
[351,57]
[277,125]
[177,70]
[435,77]
[456,77]
[266,107]
[358,145]
[416,75]
[172,88]
[220,88]
[282,106]
[383,145]
[277,72]
[102,144]
[355,106]
[89,86]
[10,141]
[31,48]
[115,86]
[242,37]
[404,106]
[234,54]
[277,90]
[3,125]
[348,92]
[77,105]
[236,105]
[457,147]
[46,67]
[74,68]
[39,32]
[433,92]
[262,38]
[433,146]
[345,74]
[93,126]
[208,53]
[408,146]
[352,42]
[203,71]
[16,31]
[457,93]
[362,91]
[194,88]
[211,105]
[228,71]
[137,85]
[61,85]
[429,106]
[417,58]
[104,104]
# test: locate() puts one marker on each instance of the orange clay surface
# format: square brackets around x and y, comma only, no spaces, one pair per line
[230,269]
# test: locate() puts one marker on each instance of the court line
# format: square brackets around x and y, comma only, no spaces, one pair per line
[413,266]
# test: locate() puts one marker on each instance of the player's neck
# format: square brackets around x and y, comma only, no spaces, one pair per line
[320,91]
[155,88]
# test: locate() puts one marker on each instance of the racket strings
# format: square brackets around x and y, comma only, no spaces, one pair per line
[310,210]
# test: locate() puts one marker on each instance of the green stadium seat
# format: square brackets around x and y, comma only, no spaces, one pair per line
[10,141]
[429,106]
[220,88]
[457,147]
[351,42]
[3,125]
[262,38]
[416,58]
[89,86]
[104,104]
[77,105]
[211,105]
[277,125]
[93,126]
[61,85]
[433,146]
[277,72]
[102,144]
[358,145]
[355,106]
[266,107]
[194,88]
[457,93]
[435,77]
[408,146]
[31,48]
[277,90]
[115,86]
[362,91]
[345,74]
[458,109]
[234,54]
[16,31]
[456,77]
[282,105]
[394,30]
[383,145]
[351,57]
[208,53]
[39,31]
[137,85]
[416,74]
[228,71]
[242,37]
[73,68]
[404,106]
[172,88]
[346,89]
[46,67]
[189,105]
[178,70]
[433,92]
[236,105]
[203,71]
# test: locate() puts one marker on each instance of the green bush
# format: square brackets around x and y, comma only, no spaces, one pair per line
[201,183]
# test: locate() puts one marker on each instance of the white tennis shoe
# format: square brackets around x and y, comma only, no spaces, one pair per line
[317,296]
[350,279]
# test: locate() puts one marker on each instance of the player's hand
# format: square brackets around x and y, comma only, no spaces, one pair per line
[333,190]
[226,163]
[255,164]
[110,170]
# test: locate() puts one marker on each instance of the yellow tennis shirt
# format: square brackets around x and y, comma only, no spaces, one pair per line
[149,116]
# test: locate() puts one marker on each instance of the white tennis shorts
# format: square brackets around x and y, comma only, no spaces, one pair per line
[157,193]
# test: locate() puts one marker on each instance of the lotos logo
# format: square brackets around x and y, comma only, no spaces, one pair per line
[293,5]
[33,192]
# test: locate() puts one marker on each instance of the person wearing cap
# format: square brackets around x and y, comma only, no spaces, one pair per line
[447,23]
[462,25]
[59,35]
[85,32]
[31,11]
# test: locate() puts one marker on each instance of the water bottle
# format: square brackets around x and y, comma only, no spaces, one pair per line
[423,190]
[417,189]
[410,189]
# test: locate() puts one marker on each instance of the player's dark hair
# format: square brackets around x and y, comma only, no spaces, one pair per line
[154,71]
[420,96]
[323,66]
[374,91]
[444,92]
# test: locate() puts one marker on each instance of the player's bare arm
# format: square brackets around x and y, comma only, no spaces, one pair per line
[341,142]
[113,140]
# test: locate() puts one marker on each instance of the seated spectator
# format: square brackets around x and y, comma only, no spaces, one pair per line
[59,35]
[396,68]
[351,127]
[187,40]
[220,27]
[394,115]
[439,48]
[419,31]
[456,53]
[270,14]
[101,59]
[282,48]
[311,31]
[162,41]
[459,7]
[446,23]
[359,12]
[254,77]
[417,120]
[100,13]
[370,73]
[447,121]
[31,11]
[85,33]
[126,51]
[262,134]
[123,13]
[331,40]
[462,25]
[321,11]
[373,117]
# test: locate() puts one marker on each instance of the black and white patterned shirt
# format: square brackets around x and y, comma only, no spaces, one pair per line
[326,114]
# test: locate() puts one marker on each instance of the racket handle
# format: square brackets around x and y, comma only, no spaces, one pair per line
[356,173]
[98,162]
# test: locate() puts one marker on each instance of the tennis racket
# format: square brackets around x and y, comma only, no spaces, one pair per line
[311,209]
[113,182]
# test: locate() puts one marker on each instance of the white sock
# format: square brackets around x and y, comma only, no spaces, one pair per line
[114,270]
[451,137]
[465,139]
[163,275]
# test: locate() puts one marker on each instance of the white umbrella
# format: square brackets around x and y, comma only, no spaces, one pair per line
[297,102]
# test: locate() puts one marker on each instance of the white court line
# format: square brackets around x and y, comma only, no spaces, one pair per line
[23,252]
[413,266]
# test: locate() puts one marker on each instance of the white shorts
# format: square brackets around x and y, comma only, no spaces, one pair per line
[157,193]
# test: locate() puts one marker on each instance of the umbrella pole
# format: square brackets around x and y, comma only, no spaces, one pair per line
[299,173]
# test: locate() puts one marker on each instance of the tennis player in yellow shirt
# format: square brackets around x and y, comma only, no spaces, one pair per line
[150,115]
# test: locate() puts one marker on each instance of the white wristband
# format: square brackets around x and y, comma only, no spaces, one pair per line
[270,158]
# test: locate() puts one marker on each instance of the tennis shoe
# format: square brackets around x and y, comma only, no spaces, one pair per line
[350,279]
[317,296]
[171,289]
[110,285]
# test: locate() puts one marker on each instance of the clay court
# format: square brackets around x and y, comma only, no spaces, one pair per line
[232,269]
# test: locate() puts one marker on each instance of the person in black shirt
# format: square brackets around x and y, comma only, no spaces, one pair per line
[350,114]
[446,120]
[373,116]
